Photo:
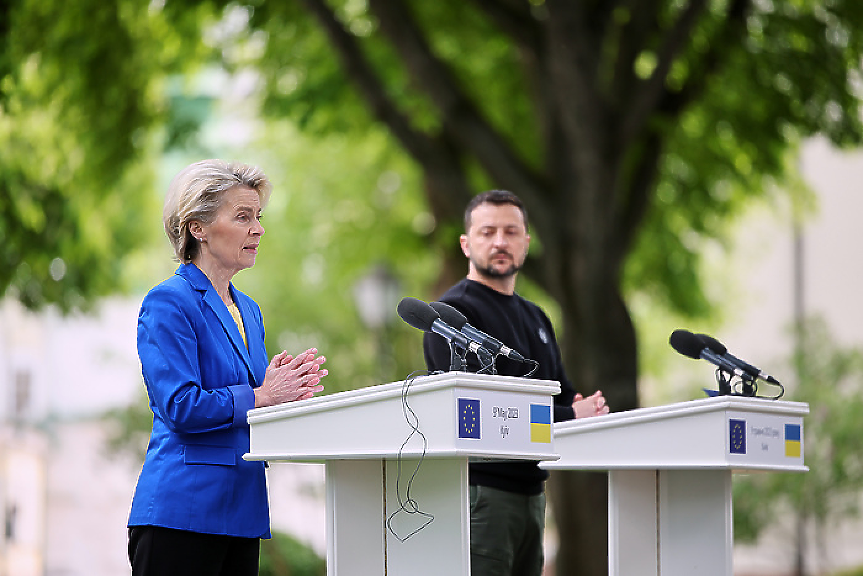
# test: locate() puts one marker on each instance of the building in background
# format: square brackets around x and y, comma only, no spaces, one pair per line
[23,446]
[23,502]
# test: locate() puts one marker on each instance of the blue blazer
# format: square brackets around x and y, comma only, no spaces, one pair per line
[199,377]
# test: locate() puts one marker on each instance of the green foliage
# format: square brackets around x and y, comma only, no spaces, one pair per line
[790,77]
[80,94]
[302,74]
[339,208]
[751,105]
[831,382]
[77,111]
[284,555]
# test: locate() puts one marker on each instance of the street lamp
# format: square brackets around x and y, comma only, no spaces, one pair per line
[376,295]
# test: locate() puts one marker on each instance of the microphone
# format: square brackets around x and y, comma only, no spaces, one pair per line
[749,369]
[423,317]
[456,319]
[689,344]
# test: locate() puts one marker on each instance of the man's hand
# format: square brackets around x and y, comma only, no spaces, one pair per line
[593,405]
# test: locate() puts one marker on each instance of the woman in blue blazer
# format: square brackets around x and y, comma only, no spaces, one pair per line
[199,508]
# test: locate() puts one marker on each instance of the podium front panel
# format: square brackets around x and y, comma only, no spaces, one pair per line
[447,415]
[723,432]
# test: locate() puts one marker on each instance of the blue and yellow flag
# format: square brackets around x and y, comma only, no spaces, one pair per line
[540,423]
[468,418]
[792,440]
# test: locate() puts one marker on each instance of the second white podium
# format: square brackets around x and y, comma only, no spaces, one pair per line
[396,458]
[669,476]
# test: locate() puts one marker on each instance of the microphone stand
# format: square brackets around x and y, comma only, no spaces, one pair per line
[457,361]
[724,383]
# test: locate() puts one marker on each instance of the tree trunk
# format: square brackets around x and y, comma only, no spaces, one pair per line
[579,504]
[599,344]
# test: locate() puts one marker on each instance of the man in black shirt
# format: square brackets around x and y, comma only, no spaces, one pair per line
[507,499]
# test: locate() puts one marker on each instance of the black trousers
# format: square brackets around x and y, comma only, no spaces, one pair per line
[156,551]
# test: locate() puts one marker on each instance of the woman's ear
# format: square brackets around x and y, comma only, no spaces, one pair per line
[197,231]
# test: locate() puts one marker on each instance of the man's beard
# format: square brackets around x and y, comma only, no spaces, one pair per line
[489,271]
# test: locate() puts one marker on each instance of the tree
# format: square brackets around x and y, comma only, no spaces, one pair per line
[630,129]
[81,101]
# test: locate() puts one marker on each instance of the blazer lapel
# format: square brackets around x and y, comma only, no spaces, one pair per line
[229,325]
[200,282]
[256,348]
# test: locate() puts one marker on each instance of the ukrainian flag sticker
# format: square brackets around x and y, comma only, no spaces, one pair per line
[540,423]
[792,440]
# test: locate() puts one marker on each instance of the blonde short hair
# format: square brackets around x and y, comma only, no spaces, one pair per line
[196,193]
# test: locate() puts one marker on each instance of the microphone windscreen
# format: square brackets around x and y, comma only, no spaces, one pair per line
[686,343]
[449,314]
[417,313]
[714,344]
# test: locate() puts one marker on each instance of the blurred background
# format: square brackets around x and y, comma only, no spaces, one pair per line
[686,164]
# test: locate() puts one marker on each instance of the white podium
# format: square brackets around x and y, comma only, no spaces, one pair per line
[669,476]
[396,459]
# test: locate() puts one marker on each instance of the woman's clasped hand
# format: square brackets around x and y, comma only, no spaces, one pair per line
[290,378]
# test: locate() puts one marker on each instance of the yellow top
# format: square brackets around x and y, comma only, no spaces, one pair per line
[238,318]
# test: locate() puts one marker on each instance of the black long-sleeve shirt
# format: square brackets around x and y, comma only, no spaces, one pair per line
[523,326]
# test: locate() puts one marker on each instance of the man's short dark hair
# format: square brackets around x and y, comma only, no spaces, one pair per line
[496,197]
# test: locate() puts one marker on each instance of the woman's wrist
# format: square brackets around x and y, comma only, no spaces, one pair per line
[261,398]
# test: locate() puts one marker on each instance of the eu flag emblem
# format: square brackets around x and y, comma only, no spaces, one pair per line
[468,418]
[792,440]
[540,423]
[737,436]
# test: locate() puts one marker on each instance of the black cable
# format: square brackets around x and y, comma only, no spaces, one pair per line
[409,505]
[532,370]
[488,367]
